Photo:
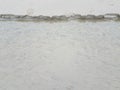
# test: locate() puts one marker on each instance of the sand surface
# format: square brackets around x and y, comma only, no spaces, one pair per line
[59,56]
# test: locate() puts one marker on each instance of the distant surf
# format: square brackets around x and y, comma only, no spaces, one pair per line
[89,17]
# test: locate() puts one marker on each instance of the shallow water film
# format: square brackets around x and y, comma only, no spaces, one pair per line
[60,55]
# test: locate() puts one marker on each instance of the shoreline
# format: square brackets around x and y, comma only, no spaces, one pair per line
[79,17]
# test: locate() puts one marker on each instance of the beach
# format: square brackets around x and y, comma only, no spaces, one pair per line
[59,55]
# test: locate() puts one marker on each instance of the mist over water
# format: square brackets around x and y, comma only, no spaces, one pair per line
[58,7]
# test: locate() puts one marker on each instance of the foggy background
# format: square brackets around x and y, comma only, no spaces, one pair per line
[57,7]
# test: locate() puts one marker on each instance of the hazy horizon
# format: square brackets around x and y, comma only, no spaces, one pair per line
[58,7]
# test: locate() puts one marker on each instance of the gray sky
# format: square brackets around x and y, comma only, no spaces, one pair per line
[57,7]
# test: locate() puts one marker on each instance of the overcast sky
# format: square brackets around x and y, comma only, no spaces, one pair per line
[57,7]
